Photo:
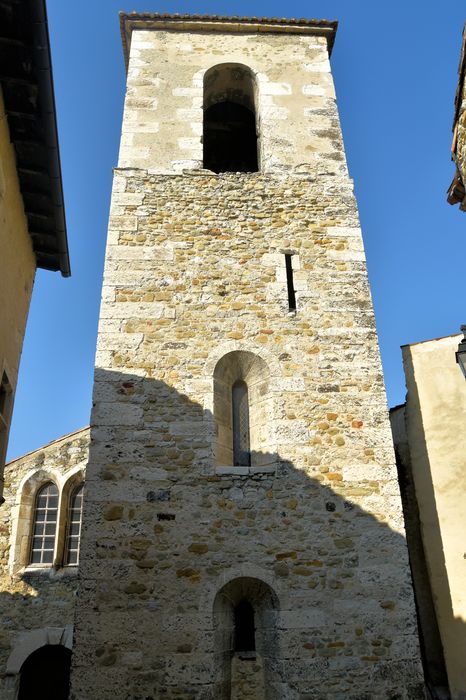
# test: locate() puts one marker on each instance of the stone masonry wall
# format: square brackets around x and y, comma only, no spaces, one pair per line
[36,603]
[311,535]
[297,123]
[195,269]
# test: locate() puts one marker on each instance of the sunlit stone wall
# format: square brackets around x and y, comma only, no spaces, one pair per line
[311,534]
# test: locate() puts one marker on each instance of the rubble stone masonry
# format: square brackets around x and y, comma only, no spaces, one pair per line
[175,536]
[36,602]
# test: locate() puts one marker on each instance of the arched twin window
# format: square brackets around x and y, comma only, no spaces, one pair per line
[230,129]
[56,530]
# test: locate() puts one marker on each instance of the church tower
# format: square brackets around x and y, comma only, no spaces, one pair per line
[243,535]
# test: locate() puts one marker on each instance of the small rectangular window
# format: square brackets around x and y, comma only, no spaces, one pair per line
[5,394]
[290,283]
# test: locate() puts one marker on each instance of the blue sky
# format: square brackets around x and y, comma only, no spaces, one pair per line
[395,70]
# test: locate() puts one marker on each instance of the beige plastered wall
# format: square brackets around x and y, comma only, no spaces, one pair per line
[17,267]
[435,422]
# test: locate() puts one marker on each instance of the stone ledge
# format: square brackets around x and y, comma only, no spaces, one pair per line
[245,471]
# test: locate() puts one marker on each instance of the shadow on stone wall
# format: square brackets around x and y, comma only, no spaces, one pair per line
[163,533]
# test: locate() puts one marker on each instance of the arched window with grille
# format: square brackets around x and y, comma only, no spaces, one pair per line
[44,526]
[240,409]
[73,528]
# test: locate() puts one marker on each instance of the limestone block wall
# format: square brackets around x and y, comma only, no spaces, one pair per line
[298,123]
[36,603]
[166,526]
[195,297]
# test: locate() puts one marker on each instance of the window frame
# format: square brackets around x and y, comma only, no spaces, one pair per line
[22,534]
[75,490]
[34,522]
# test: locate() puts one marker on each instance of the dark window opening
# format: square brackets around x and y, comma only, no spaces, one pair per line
[290,283]
[6,396]
[245,638]
[46,674]
[230,141]
[240,409]
[5,393]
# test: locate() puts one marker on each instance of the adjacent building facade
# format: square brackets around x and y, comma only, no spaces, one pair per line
[40,524]
[242,531]
[430,442]
[32,221]
[457,189]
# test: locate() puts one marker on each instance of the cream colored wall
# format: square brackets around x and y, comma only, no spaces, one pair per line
[17,265]
[436,427]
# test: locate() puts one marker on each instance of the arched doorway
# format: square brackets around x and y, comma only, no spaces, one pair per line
[46,674]
[246,640]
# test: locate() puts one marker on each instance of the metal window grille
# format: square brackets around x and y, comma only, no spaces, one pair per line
[240,411]
[73,534]
[44,525]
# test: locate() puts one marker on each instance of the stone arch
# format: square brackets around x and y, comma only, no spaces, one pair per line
[250,369]
[230,122]
[218,351]
[236,676]
[30,641]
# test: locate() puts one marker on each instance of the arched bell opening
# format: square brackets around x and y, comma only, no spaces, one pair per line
[246,640]
[230,126]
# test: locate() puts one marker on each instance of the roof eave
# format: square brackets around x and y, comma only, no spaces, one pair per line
[27,86]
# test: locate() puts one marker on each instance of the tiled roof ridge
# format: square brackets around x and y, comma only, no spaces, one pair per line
[306,22]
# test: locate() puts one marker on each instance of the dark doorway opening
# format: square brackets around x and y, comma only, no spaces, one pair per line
[46,674]
[230,141]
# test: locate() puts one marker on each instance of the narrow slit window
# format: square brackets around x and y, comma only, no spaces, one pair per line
[290,282]
[44,526]
[73,533]
[240,409]
[245,637]
[5,394]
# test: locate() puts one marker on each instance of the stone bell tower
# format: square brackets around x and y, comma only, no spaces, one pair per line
[243,533]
